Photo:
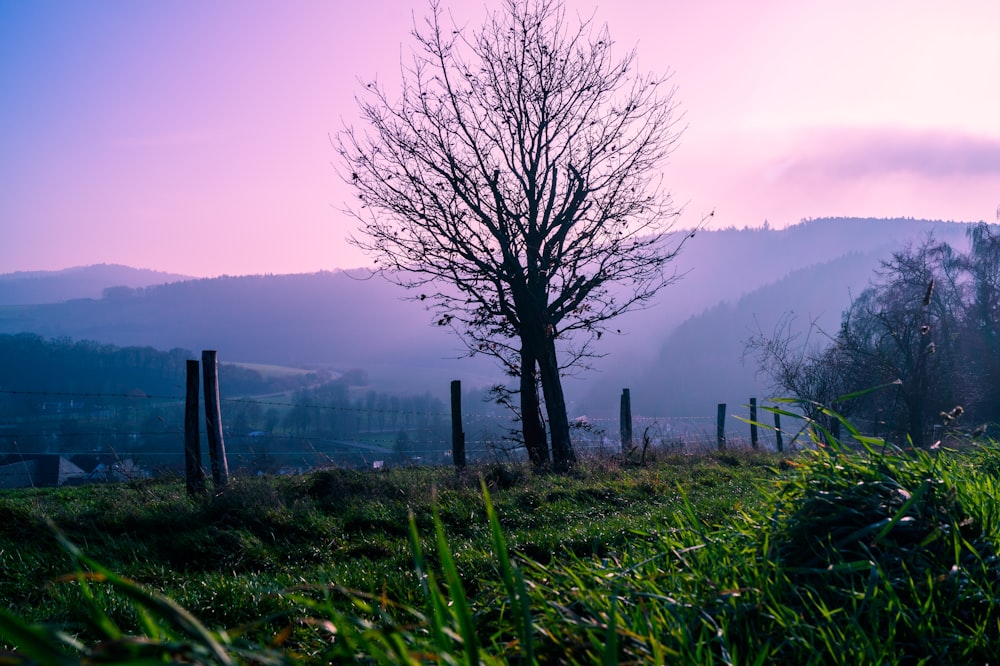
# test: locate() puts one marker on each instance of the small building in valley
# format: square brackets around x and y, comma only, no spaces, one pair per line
[38,471]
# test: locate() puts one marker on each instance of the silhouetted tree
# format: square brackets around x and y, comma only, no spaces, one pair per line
[904,327]
[803,366]
[980,334]
[516,178]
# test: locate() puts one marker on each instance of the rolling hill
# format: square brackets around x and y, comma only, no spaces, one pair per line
[681,355]
[36,287]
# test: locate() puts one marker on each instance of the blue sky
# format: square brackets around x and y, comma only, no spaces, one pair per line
[193,137]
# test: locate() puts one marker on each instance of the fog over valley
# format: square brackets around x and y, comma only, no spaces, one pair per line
[679,357]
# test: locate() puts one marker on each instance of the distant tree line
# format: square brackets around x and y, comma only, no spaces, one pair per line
[921,345]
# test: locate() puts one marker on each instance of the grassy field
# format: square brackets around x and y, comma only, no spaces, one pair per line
[828,557]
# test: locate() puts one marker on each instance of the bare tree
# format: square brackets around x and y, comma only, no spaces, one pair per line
[802,365]
[515,179]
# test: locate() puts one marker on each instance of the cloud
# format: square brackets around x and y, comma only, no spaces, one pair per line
[849,154]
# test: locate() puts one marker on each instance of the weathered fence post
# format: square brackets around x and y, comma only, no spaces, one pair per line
[720,427]
[753,422]
[213,420]
[457,436]
[625,421]
[777,432]
[194,474]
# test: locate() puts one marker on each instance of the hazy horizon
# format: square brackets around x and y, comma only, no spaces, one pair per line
[370,270]
[733,280]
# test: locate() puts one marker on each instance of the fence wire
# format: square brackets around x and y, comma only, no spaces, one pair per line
[54,438]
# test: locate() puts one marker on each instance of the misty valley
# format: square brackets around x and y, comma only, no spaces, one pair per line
[338,369]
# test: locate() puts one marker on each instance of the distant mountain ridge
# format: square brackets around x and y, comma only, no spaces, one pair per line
[705,353]
[38,287]
[328,320]
[682,354]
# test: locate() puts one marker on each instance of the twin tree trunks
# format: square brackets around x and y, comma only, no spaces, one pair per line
[194,472]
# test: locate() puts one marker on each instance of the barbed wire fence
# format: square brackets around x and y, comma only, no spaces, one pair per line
[55,437]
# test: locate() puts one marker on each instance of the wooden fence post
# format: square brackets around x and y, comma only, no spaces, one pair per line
[721,426]
[625,421]
[457,436]
[777,432]
[194,474]
[213,420]
[753,422]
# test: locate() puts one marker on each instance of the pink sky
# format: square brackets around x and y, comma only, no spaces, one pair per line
[192,136]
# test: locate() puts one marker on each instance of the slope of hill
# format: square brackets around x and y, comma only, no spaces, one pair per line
[683,355]
[328,319]
[35,287]
[335,320]
[705,354]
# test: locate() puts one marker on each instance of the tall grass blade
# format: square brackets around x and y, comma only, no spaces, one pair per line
[97,617]
[513,581]
[431,591]
[35,642]
[456,591]
[611,637]
[917,494]
[862,393]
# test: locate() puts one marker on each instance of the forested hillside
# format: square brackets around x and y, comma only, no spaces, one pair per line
[333,320]
[69,398]
[32,363]
[705,354]
[682,355]
[34,287]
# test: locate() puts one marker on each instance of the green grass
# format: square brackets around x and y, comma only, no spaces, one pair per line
[835,556]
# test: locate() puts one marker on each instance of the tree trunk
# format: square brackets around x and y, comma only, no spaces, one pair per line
[555,404]
[532,424]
